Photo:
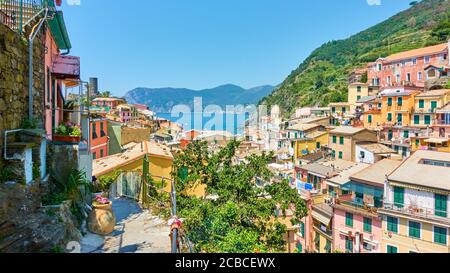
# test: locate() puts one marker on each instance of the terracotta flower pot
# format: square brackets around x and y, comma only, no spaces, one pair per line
[102,219]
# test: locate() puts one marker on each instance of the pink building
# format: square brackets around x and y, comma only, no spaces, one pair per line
[442,127]
[407,68]
[110,103]
[60,71]
[357,227]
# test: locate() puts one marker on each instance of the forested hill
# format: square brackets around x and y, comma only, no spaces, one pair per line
[322,77]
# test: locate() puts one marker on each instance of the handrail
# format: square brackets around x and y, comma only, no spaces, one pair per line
[17,14]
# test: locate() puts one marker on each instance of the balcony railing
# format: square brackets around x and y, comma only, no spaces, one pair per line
[417,211]
[16,14]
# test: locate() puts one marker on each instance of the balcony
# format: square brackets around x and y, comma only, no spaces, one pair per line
[16,14]
[356,205]
[441,217]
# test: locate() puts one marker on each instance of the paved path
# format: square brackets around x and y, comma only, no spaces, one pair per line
[137,231]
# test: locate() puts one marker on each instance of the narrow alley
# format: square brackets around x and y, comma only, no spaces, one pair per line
[137,231]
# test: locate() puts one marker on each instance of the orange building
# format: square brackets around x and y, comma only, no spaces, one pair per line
[398,106]
[99,138]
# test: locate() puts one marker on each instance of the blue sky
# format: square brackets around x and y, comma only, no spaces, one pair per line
[205,43]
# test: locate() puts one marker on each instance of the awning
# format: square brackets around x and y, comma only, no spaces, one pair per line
[437,140]
[59,31]
[324,219]
[364,189]
[67,67]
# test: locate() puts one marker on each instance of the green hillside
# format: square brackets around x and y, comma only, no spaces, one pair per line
[322,77]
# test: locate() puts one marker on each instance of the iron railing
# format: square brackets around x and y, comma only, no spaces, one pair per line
[418,211]
[16,14]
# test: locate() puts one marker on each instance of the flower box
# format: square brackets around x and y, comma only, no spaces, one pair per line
[67,139]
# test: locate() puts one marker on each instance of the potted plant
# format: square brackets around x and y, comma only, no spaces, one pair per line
[67,133]
[101,219]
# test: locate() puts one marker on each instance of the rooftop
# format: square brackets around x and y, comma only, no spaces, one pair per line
[417,53]
[108,99]
[413,171]
[303,127]
[376,174]
[376,148]
[347,130]
[434,93]
[134,152]
[367,99]
[344,177]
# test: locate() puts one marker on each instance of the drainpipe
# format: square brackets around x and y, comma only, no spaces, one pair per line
[31,38]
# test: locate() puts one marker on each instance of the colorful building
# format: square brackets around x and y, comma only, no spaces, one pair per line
[407,68]
[426,106]
[357,225]
[442,125]
[99,138]
[343,141]
[108,103]
[415,214]
[357,91]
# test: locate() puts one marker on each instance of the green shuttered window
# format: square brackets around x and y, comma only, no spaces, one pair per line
[414,230]
[349,219]
[392,224]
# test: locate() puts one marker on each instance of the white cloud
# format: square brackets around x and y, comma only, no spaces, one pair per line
[374,2]
[74,2]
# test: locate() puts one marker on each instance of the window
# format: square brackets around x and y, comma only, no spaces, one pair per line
[389,117]
[341,140]
[414,229]
[389,101]
[333,109]
[302,229]
[380,105]
[102,129]
[392,224]
[349,219]
[420,76]
[399,197]
[416,119]
[94,156]
[358,98]
[102,153]
[348,245]
[427,59]
[398,78]
[427,120]
[400,101]
[414,61]
[359,89]
[421,104]
[390,134]
[335,139]
[368,225]
[400,118]
[333,154]
[440,235]
[362,155]
[318,145]
[370,119]
[344,110]
[380,67]
[94,131]
[389,79]
[433,105]
[408,77]
[392,249]
[299,248]
[405,134]
[341,155]
[440,202]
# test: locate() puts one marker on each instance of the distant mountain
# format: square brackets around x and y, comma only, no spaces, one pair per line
[162,100]
[322,77]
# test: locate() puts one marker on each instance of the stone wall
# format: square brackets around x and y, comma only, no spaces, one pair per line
[14,80]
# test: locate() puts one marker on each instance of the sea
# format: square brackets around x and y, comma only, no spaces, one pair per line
[231,122]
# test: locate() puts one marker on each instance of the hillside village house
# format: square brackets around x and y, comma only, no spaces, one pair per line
[357,91]
[416,215]
[132,161]
[108,103]
[343,141]
[407,68]
[372,152]
[99,138]
[357,225]
[442,126]
[426,106]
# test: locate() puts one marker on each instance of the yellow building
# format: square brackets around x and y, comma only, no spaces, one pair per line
[340,108]
[357,91]
[430,144]
[416,216]
[310,143]
[372,119]
[426,105]
[132,161]
[398,106]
